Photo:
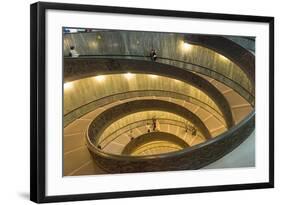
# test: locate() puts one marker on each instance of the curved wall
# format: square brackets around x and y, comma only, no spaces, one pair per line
[147,115]
[89,89]
[190,158]
[245,42]
[106,118]
[77,68]
[193,55]
[153,140]
[120,132]
[169,46]
[241,56]
[116,142]
[156,148]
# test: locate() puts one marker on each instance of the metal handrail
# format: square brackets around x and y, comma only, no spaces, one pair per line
[171,93]
[189,158]
[93,148]
[138,124]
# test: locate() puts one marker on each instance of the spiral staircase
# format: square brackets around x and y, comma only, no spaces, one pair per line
[124,113]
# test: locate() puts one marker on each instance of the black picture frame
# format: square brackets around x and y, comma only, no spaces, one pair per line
[38,101]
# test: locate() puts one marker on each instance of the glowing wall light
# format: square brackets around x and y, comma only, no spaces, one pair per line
[223,57]
[186,45]
[68,85]
[94,44]
[100,78]
[129,75]
[153,76]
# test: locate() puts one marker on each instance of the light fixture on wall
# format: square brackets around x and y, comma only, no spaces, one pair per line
[186,44]
[129,75]
[67,85]
[94,44]
[223,57]
[153,76]
[100,78]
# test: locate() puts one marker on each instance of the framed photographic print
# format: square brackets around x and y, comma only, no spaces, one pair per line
[129,102]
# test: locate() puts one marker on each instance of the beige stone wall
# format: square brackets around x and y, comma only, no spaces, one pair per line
[81,92]
[167,46]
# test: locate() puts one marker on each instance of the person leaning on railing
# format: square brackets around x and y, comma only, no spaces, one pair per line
[73,53]
[153,54]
